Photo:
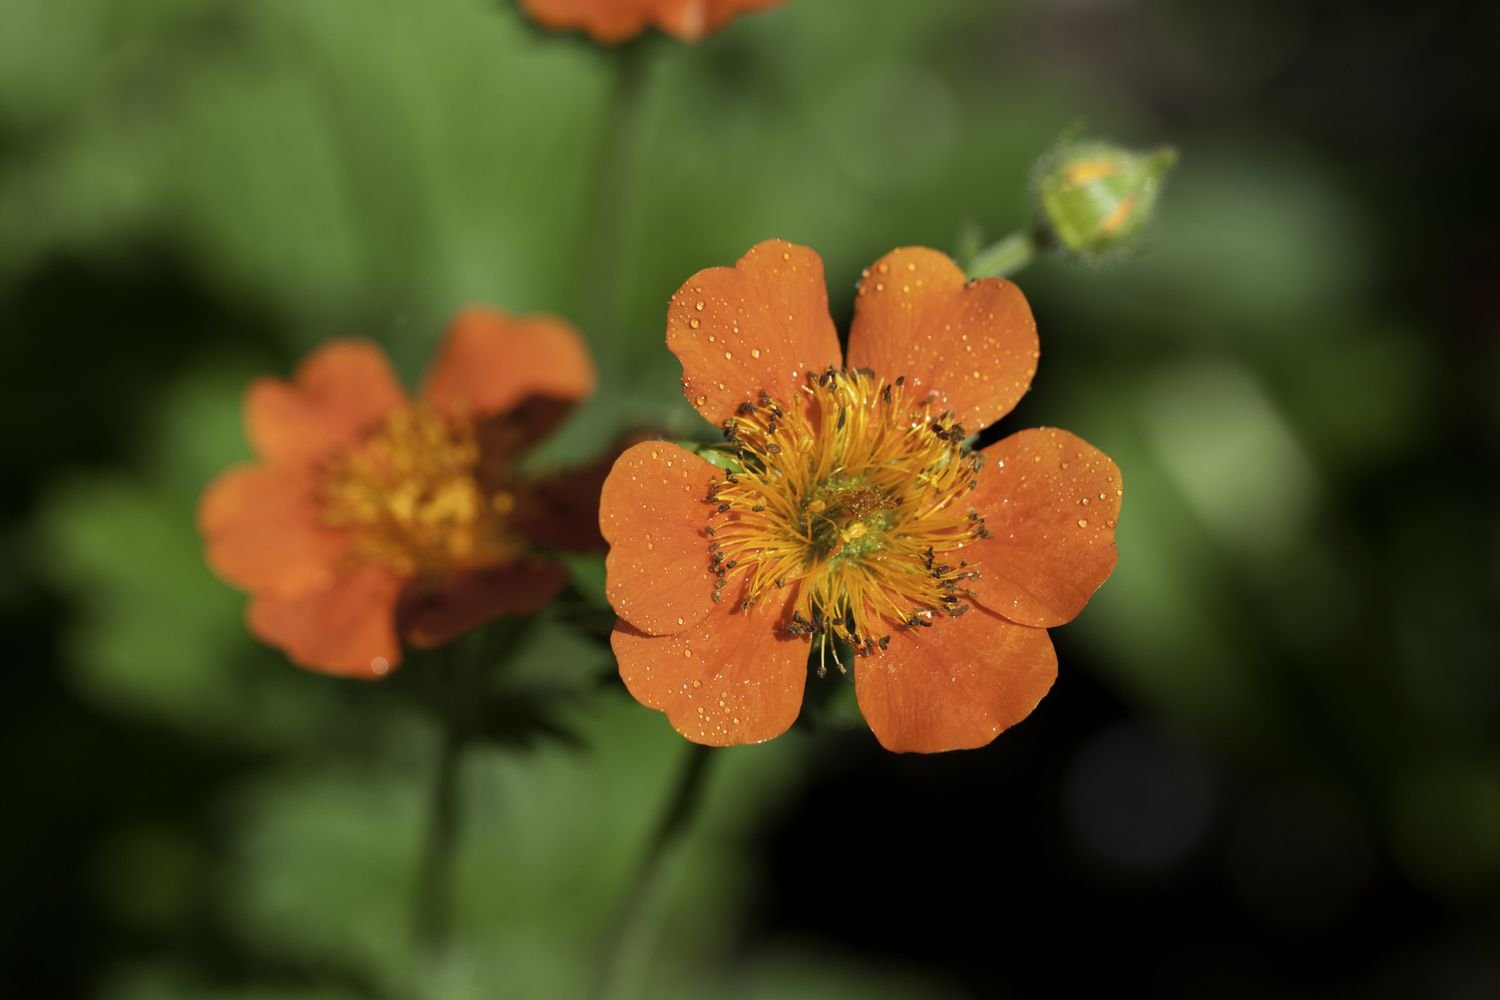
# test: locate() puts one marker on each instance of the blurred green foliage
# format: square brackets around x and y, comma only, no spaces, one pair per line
[1302,591]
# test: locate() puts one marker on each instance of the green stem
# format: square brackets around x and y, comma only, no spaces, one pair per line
[459,671]
[1005,258]
[598,297]
[627,952]
[433,914]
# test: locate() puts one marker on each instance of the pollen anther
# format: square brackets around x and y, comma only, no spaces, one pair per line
[860,492]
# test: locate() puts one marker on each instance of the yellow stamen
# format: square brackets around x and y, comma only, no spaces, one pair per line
[409,496]
[856,494]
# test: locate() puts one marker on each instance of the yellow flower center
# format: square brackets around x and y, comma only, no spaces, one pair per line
[410,497]
[857,496]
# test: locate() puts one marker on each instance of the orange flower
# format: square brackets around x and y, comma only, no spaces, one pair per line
[853,513]
[371,519]
[611,21]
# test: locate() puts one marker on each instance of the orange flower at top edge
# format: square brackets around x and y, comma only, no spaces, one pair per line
[856,516]
[612,21]
[372,520]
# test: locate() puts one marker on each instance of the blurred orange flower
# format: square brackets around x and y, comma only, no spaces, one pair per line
[371,519]
[852,512]
[611,21]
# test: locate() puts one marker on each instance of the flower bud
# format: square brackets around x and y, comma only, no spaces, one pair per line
[1094,198]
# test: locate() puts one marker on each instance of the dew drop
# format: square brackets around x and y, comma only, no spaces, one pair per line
[696,684]
[755,352]
[1083,522]
[694,324]
[701,400]
[728,355]
[689,654]
[681,621]
[698,306]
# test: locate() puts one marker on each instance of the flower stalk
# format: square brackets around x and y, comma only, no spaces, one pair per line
[627,951]
[614,174]
[460,673]
[433,915]
[1008,257]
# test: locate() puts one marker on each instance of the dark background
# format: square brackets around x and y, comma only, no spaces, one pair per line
[1271,763]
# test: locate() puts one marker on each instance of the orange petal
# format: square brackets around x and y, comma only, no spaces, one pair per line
[972,343]
[461,602]
[1049,500]
[347,628]
[492,363]
[761,324]
[338,393]
[610,21]
[955,685]
[733,678]
[262,531]
[652,511]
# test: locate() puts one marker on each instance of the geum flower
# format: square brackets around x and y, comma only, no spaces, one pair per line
[372,520]
[612,21]
[853,513]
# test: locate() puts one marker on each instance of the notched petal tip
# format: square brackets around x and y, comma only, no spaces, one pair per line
[973,343]
[759,325]
[261,531]
[337,394]
[955,686]
[652,512]
[492,362]
[1050,501]
[731,679]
